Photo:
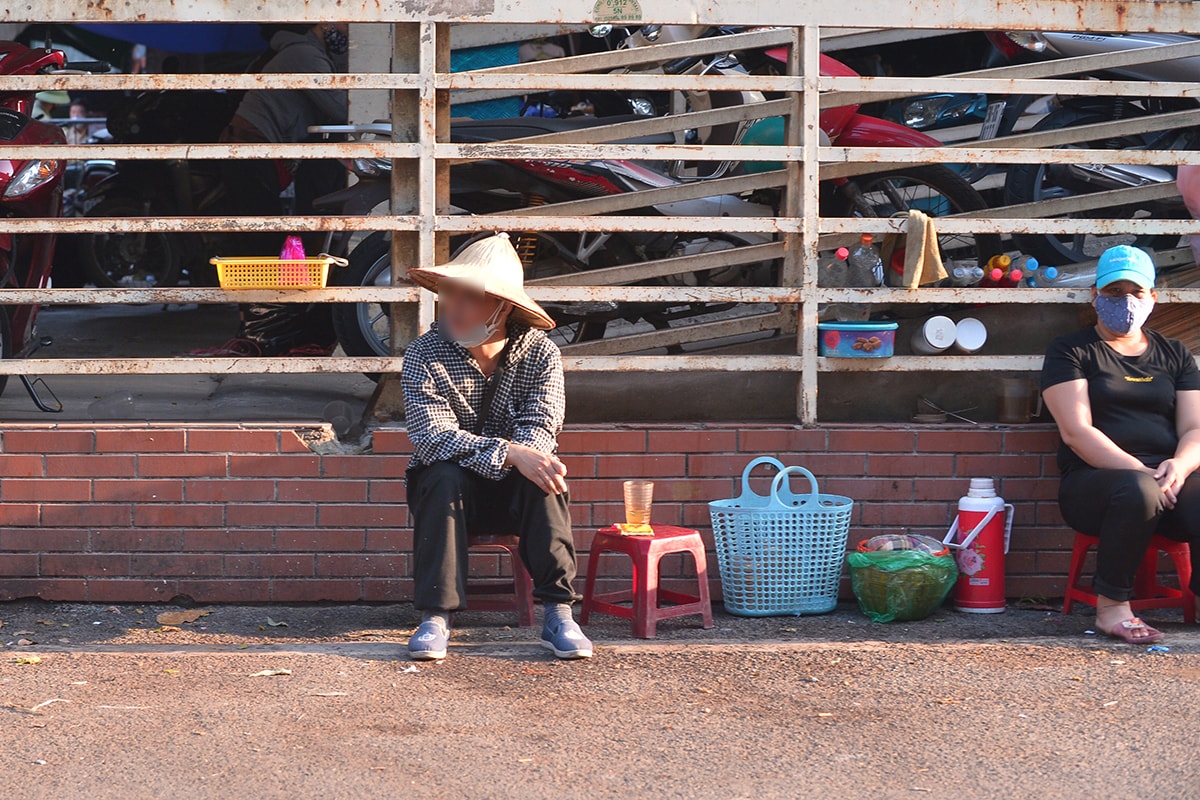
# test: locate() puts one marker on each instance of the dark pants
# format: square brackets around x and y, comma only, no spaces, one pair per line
[1125,508]
[448,502]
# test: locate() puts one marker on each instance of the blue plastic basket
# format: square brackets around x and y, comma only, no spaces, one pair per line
[780,553]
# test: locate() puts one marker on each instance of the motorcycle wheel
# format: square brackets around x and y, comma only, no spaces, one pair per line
[122,260]
[364,329]
[935,190]
[1028,183]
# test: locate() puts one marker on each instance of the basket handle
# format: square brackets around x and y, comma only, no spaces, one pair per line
[337,261]
[746,490]
[777,484]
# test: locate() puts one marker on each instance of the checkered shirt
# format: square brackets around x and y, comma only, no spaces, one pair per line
[443,392]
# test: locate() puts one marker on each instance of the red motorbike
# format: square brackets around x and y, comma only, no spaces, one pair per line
[29,188]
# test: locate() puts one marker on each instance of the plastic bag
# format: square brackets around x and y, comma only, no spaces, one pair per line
[900,578]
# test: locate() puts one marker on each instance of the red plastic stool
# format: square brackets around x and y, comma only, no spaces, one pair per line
[1148,592]
[646,552]
[503,594]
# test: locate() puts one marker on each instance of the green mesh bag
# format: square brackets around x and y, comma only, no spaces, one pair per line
[900,577]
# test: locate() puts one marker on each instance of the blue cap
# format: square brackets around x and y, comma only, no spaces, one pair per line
[1125,263]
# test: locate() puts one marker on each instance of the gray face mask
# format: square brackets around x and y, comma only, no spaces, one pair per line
[1124,314]
[479,334]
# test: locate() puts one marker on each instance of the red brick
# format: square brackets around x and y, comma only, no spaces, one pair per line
[125,440]
[728,466]
[184,516]
[643,466]
[781,440]
[910,465]
[1035,586]
[996,465]
[272,466]
[18,514]
[315,590]
[227,541]
[388,491]
[1034,439]
[87,466]
[244,590]
[322,491]
[341,516]
[391,440]
[1057,563]
[269,515]
[175,564]
[21,466]
[162,491]
[387,591]
[602,441]
[83,565]
[43,539]
[131,591]
[69,590]
[118,540]
[872,441]
[374,566]
[580,466]
[63,490]
[581,514]
[1029,488]
[865,489]
[363,466]
[322,540]
[231,490]
[232,441]
[389,540]
[1024,562]
[93,515]
[943,489]
[906,514]
[18,565]
[960,440]
[261,565]
[290,441]
[48,441]
[182,466]
[483,565]
[697,441]
[1049,514]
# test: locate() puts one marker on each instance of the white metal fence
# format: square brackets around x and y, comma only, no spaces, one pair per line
[421,83]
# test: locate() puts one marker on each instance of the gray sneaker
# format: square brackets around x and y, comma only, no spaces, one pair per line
[429,641]
[566,639]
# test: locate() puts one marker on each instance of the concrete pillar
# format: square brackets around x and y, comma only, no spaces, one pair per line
[370,51]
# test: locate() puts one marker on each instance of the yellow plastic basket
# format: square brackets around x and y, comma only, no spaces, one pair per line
[274,273]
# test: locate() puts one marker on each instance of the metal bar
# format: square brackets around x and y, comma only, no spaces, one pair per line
[661,268]
[627,81]
[688,363]
[684,334]
[934,364]
[231,81]
[804,60]
[1080,202]
[645,198]
[150,152]
[1111,227]
[985,155]
[867,86]
[1097,131]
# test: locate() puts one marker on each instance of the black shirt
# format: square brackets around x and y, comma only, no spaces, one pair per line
[1132,397]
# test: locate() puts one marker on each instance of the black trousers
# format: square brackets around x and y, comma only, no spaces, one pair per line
[1124,508]
[448,502]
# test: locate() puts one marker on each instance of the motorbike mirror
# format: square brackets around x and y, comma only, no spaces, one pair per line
[651,33]
[600,31]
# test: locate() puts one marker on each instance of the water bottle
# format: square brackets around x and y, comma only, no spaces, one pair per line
[832,270]
[1000,271]
[863,264]
[1063,278]
[964,273]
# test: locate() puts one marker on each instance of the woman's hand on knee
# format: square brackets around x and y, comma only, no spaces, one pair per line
[1170,479]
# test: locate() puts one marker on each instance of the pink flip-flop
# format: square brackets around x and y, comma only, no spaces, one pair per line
[1124,632]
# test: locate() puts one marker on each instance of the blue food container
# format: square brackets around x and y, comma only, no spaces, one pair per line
[856,339]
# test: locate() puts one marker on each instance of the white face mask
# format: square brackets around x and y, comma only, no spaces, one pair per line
[482,332]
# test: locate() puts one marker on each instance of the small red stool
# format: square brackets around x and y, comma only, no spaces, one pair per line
[490,595]
[646,552]
[1148,592]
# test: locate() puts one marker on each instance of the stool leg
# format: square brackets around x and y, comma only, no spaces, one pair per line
[1182,558]
[523,584]
[1078,555]
[645,596]
[589,588]
[701,560]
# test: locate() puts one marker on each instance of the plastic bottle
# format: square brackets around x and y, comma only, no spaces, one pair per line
[964,273]
[832,270]
[863,264]
[1001,272]
[1062,278]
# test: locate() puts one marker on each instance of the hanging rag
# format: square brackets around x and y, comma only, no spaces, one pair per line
[922,257]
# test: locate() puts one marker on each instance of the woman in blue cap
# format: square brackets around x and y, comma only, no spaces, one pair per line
[1127,403]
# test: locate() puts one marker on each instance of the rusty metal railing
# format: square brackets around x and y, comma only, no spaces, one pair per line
[420,219]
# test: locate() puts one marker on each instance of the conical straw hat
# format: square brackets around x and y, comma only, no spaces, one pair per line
[493,267]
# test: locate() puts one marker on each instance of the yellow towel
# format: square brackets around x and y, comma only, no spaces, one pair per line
[922,256]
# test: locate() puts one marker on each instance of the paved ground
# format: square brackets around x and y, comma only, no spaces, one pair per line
[1023,705]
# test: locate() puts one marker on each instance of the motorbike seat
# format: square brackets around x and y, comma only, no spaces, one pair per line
[495,130]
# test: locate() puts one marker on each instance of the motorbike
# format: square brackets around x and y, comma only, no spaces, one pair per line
[1032,182]
[498,186]
[136,188]
[29,188]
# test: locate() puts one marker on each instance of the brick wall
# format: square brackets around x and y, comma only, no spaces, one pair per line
[250,514]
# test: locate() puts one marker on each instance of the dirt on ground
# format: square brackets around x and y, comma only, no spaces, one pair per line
[320,701]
